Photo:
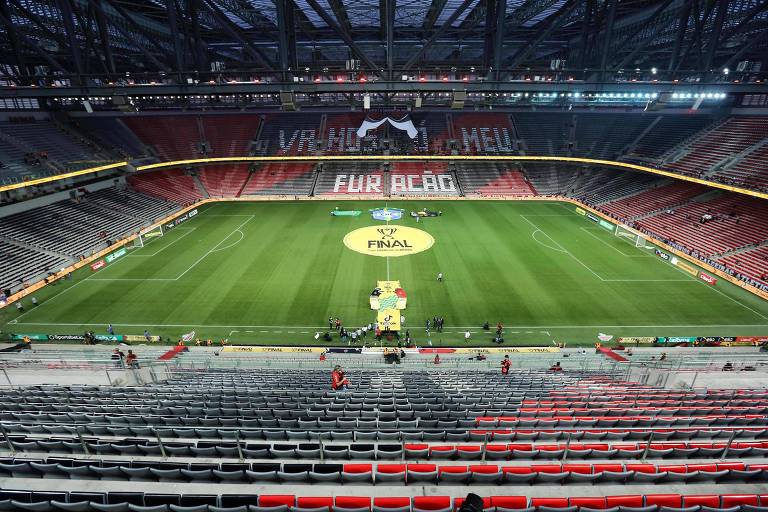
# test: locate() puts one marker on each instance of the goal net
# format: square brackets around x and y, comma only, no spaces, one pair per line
[630,236]
[147,236]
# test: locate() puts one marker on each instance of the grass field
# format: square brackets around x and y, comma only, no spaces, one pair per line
[274,272]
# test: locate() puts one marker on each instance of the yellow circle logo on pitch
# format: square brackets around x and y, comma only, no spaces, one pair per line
[388,240]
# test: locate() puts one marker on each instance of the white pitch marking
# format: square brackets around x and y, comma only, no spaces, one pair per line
[242,235]
[697,280]
[533,235]
[457,327]
[68,289]
[589,232]
[250,218]
[188,230]
[563,248]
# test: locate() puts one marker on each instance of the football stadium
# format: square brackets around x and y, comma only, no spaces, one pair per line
[384,256]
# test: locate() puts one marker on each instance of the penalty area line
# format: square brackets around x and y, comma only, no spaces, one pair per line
[187,230]
[566,251]
[214,248]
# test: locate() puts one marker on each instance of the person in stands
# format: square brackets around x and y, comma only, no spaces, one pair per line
[131,360]
[505,364]
[556,367]
[338,380]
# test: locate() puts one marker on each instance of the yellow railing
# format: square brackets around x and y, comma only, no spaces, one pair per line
[242,159]
[59,177]
[565,159]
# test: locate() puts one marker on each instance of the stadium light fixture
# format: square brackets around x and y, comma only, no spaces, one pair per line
[726,71]
[654,71]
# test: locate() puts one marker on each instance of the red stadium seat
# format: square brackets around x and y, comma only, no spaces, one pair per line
[707,500]
[275,500]
[421,468]
[517,470]
[641,468]
[599,468]
[314,502]
[730,465]
[391,468]
[384,503]
[452,469]
[587,502]
[353,502]
[673,468]
[631,500]
[664,500]
[584,469]
[547,468]
[432,503]
[549,502]
[490,468]
[517,502]
[358,468]
[732,500]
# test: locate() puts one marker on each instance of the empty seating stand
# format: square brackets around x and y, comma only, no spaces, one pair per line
[240,441]
[290,134]
[493,179]
[714,147]
[738,221]
[279,178]
[660,198]
[171,185]
[224,180]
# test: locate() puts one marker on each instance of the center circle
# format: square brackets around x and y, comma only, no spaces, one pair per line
[389,240]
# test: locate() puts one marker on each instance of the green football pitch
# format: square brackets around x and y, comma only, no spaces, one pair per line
[273,272]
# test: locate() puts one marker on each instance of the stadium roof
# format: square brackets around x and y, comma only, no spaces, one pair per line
[596,40]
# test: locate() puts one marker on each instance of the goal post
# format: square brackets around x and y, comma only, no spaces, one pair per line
[147,236]
[630,235]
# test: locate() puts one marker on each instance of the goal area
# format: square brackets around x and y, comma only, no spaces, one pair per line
[630,235]
[147,236]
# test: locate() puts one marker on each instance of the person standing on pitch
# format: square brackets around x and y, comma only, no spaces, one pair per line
[467,335]
[440,276]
